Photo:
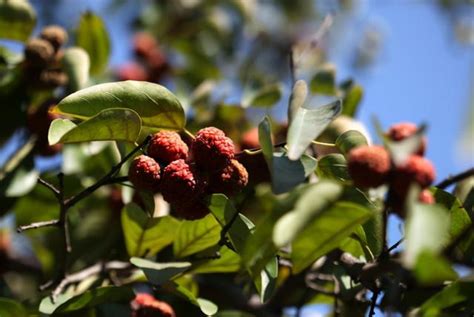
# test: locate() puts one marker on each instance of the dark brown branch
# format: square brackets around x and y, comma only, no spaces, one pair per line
[40,224]
[395,245]
[49,186]
[455,178]
[373,303]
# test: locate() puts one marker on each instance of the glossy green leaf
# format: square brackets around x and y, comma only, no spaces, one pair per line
[11,308]
[195,236]
[157,106]
[76,64]
[58,128]
[427,230]
[287,174]
[353,94]
[431,270]
[207,307]
[333,166]
[229,261]
[349,140]
[312,203]
[159,273]
[93,37]
[324,81]
[327,232]
[17,19]
[297,98]
[307,125]
[144,234]
[91,298]
[266,96]
[453,294]
[110,124]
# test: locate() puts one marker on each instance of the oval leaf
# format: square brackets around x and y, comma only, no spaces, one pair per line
[159,273]
[76,64]
[157,106]
[349,140]
[333,166]
[110,124]
[93,37]
[297,98]
[307,125]
[17,19]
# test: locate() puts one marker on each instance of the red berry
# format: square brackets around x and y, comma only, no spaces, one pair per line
[426,197]
[212,150]
[132,71]
[167,146]
[231,180]
[403,130]
[417,170]
[180,182]
[143,44]
[369,166]
[144,173]
[249,139]
[145,305]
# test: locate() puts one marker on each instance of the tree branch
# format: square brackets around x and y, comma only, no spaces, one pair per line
[40,224]
[455,178]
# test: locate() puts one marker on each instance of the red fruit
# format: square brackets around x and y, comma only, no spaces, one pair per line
[403,130]
[143,44]
[191,210]
[115,200]
[55,35]
[369,166]
[132,71]
[426,197]
[167,146]
[249,139]
[417,170]
[144,173]
[231,180]
[180,182]
[145,305]
[212,150]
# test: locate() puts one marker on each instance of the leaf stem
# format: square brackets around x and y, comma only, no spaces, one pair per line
[323,143]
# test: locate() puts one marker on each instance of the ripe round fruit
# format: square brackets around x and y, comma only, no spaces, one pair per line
[167,146]
[231,180]
[403,130]
[132,71]
[38,52]
[369,166]
[212,150]
[145,305]
[55,35]
[417,170]
[144,173]
[143,44]
[180,183]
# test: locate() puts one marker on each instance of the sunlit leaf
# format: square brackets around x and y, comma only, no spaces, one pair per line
[207,307]
[17,19]
[432,270]
[324,81]
[76,64]
[58,128]
[353,94]
[297,98]
[229,261]
[159,273]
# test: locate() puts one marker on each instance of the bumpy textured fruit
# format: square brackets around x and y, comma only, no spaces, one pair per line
[55,35]
[144,173]
[426,197]
[143,44]
[38,52]
[369,166]
[212,150]
[145,305]
[417,170]
[180,182]
[132,71]
[403,130]
[231,180]
[52,78]
[167,146]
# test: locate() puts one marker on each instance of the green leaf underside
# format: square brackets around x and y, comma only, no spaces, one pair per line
[160,273]
[195,236]
[110,124]
[229,261]
[157,107]
[307,125]
[287,174]
[145,234]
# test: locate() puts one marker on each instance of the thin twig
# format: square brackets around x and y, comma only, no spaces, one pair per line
[49,186]
[40,224]
[455,178]
[373,303]
[395,245]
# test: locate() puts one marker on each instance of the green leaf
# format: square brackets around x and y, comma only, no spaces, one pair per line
[287,174]
[207,307]
[195,236]
[333,166]
[427,230]
[233,313]
[157,106]
[110,124]
[58,128]
[17,19]
[159,273]
[76,64]
[68,303]
[324,81]
[93,37]
[229,261]
[265,139]
[11,308]
[297,98]
[266,96]
[144,234]
[353,94]
[266,280]
[453,294]
[431,270]
[327,232]
[349,140]
[24,179]
[312,203]
[307,125]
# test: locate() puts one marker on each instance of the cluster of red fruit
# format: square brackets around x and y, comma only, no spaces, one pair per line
[42,64]
[145,305]
[151,63]
[184,177]
[371,166]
